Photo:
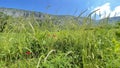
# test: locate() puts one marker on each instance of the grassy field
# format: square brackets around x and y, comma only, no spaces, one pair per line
[28,44]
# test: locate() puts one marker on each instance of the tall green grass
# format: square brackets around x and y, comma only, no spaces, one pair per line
[28,43]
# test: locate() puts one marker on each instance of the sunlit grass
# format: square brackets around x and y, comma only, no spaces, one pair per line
[30,43]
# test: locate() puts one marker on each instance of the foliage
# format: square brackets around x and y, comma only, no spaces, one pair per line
[28,43]
[3,21]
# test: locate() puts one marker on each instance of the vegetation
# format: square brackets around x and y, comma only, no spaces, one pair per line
[28,43]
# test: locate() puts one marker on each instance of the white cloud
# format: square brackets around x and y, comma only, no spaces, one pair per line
[116,11]
[105,11]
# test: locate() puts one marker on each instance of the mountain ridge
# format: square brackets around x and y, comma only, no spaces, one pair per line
[39,15]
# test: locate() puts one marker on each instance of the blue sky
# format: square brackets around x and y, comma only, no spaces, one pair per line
[64,7]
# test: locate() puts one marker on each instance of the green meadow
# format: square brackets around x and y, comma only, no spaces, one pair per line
[28,43]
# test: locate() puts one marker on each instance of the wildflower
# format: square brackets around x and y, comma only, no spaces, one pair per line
[48,35]
[28,53]
[54,35]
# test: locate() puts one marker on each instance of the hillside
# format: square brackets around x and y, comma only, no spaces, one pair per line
[41,16]
[25,13]
[115,19]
